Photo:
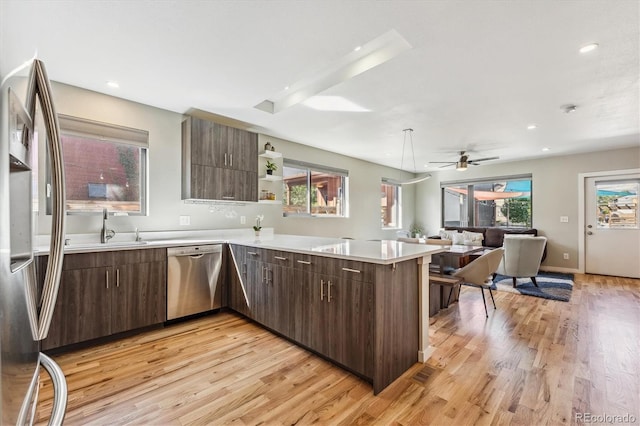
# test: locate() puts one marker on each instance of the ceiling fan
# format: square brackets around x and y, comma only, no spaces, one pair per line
[463,162]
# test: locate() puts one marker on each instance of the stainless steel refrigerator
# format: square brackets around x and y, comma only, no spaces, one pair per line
[26,307]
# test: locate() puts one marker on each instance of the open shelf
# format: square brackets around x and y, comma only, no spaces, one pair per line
[270,154]
[271,178]
[270,201]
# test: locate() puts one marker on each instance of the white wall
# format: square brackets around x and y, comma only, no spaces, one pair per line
[165,204]
[555,194]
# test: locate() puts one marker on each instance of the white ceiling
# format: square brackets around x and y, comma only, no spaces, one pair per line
[478,72]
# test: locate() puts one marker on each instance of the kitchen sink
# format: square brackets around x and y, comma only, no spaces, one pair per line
[73,245]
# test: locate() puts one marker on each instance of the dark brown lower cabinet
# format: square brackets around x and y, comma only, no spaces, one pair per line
[363,316]
[104,293]
[326,313]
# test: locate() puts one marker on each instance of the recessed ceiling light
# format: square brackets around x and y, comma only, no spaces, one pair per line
[357,48]
[588,47]
[545,149]
[286,87]
[569,108]
[532,126]
[333,103]
[113,84]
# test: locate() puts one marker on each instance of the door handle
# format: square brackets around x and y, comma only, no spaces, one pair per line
[225,158]
[231,160]
[39,86]
[118,277]
[328,291]
[106,279]
[321,289]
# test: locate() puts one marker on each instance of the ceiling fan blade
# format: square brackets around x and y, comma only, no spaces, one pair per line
[484,159]
[442,162]
[446,165]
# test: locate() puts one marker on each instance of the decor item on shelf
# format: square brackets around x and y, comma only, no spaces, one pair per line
[257,227]
[273,148]
[267,146]
[420,178]
[271,166]
[415,230]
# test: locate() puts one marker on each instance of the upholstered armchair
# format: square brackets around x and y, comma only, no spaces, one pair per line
[522,257]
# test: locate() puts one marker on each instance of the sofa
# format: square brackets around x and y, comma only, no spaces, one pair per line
[492,237]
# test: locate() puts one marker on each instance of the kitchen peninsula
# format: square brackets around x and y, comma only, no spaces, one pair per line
[361,304]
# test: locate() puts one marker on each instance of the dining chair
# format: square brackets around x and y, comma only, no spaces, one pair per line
[479,273]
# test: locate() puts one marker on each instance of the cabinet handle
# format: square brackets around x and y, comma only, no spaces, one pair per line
[262,268]
[107,277]
[321,289]
[351,270]
[244,267]
[228,197]
[225,158]
[279,258]
[117,277]
[231,158]
[304,262]
[252,253]
[328,291]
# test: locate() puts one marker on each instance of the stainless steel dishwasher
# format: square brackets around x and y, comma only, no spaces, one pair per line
[193,284]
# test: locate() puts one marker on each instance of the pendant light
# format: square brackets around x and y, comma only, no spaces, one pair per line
[409,133]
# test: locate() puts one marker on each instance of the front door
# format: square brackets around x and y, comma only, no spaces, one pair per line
[612,228]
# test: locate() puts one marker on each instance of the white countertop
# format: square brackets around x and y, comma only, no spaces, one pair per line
[381,252]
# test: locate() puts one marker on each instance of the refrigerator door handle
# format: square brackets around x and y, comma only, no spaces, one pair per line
[59,389]
[39,87]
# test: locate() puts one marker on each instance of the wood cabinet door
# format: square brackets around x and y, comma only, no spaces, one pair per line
[279,298]
[139,296]
[83,307]
[216,183]
[301,315]
[203,142]
[349,316]
[238,299]
[255,289]
[243,150]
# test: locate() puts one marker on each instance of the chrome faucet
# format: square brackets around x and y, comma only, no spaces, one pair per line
[106,234]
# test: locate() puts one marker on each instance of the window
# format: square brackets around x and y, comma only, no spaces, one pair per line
[617,204]
[498,202]
[390,202]
[105,166]
[310,189]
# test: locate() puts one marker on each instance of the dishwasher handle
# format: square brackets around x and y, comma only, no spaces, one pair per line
[193,251]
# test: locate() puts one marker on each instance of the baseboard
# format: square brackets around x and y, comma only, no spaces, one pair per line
[559,269]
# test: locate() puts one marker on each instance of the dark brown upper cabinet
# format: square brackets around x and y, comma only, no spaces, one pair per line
[218,162]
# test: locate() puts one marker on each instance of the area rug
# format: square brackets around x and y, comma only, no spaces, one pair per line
[551,285]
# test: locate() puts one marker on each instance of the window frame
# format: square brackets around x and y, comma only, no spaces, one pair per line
[310,168]
[398,206]
[470,183]
[118,136]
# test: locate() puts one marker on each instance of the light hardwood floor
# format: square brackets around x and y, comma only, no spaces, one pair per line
[533,361]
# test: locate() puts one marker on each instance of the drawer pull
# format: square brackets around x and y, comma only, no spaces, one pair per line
[304,262]
[328,291]
[279,258]
[351,270]
[252,253]
[107,277]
